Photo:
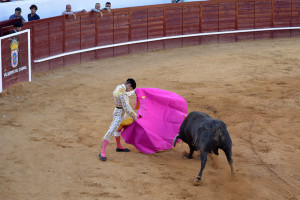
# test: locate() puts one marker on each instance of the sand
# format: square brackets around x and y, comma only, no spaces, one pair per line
[51,129]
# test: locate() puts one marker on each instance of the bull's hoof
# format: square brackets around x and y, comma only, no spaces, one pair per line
[197,181]
[188,157]
[233,175]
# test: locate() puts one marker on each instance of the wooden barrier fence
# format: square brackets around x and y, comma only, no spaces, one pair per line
[57,35]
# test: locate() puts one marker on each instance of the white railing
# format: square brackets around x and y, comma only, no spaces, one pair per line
[162,38]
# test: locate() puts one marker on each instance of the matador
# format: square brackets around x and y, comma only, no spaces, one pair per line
[120,94]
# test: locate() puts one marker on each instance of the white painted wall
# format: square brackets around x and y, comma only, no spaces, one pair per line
[51,8]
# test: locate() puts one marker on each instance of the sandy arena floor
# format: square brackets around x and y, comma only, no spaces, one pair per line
[51,129]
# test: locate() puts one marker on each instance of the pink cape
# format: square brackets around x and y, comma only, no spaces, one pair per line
[162,114]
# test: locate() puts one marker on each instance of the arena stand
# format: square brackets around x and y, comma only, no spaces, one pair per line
[62,34]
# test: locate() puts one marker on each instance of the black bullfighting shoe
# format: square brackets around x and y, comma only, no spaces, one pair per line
[102,158]
[122,150]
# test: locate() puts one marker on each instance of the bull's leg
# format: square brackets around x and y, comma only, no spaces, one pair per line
[203,157]
[228,154]
[192,149]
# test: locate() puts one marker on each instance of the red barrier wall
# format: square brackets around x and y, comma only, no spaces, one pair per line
[61,34]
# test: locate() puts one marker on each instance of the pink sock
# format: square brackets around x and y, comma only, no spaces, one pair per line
[118,140]
[105,142]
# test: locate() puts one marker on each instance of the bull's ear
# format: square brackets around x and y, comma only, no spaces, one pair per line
[184,116]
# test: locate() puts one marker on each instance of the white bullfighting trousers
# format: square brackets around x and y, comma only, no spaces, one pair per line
[118,117]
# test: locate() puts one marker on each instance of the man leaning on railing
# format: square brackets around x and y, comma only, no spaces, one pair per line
[97,9]
[69,11]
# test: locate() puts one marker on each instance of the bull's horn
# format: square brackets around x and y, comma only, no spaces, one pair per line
[175,140]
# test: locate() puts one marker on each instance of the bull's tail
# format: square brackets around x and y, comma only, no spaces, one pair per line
[175,140]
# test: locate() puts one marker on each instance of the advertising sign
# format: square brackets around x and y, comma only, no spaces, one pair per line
[15,59]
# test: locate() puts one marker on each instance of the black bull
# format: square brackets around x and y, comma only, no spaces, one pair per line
[203,133]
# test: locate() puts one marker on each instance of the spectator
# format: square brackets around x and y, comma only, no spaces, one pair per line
[97,9]
[69,11]
[107,7]
[18,26]
[17,14]
[33,16]
[177,1]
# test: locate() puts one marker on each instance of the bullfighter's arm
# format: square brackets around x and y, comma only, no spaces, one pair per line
[127,107]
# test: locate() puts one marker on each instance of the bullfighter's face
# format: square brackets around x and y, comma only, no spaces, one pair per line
[128,87]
